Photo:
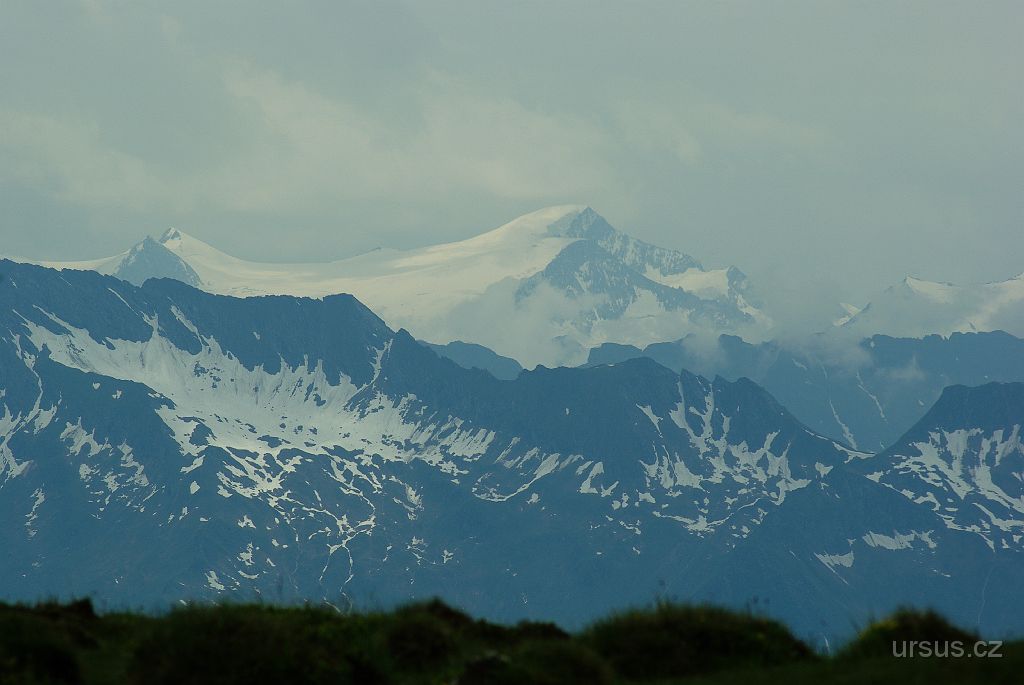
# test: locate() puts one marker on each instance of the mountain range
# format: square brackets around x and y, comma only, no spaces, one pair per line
[914,308]
[549,286]
[541,289]
[864,393]
[159,443]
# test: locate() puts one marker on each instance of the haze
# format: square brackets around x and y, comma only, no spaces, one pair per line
[825,149]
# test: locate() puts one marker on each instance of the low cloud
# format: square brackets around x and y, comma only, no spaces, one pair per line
[300,146]
[748,136]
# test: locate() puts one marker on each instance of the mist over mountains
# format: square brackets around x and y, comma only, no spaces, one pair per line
[549,420]
[547,287]
[482,342]
[294,448]
[864,394]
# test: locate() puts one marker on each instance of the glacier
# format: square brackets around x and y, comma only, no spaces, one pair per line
[541,289]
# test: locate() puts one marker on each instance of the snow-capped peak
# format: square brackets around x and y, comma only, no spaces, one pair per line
[627,291]
[189,248]
[916,307]
[933,290]
[151,259]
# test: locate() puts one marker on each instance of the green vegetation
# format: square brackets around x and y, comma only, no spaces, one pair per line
[676,640]
[433,643]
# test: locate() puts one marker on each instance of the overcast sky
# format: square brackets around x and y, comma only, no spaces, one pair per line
[827,148]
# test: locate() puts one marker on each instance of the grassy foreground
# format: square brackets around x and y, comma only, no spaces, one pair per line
[433,643]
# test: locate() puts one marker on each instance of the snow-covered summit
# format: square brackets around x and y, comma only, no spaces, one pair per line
[966,450]
[152,259]
[915,307]
[146,259]
[518,288]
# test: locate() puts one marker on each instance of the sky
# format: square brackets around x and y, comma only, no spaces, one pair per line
[827,149]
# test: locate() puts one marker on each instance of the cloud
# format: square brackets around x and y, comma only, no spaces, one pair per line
[308,145]
[299,146]
[507,149]
[535,330]
[694,124]
[658,128]
[767,138]
[71,157]
[739,128]
[909,372]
